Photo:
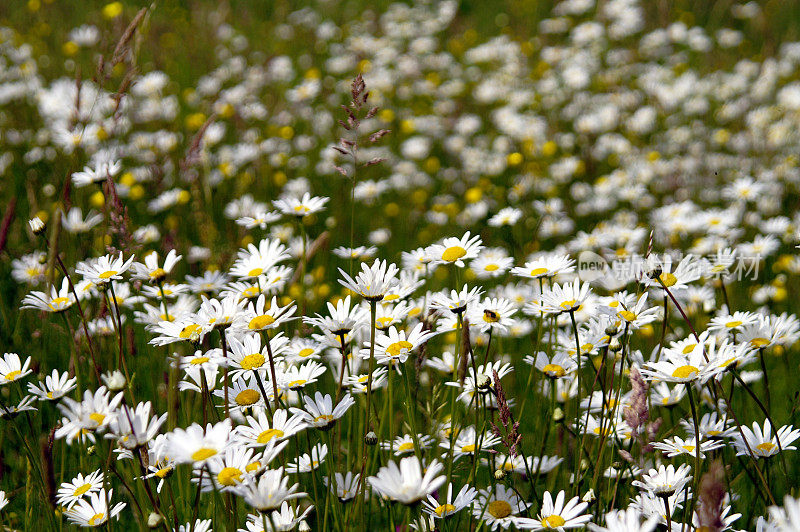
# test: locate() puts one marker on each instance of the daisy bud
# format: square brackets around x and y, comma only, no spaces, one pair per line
[558,415]
[612,330]
[37,225]
[90,450]
[584,464]
[589,497]
[371,438]
[303,527]
[484,383]
[154,520]
[499,474]
[114,380]
[615,345]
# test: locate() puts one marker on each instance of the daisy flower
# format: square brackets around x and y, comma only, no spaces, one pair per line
[455,251]
[151,271]
[393,347]
[293,206]
[135,428]
[11,368]
[58,300]
[255,261]
[407,483]
[493,314]
[305,463]
[93,512]
[492,262]
[257,316]
[469,442]
[196,445]
[680,367]
[762,443]
[545,266]
[554,367]
[258,430]
[405,444]
[628,520]
[297,377]
[74,223]
[344,485]
[105,269]
[258,219]
[54,386]
[373,282]
[665,480]
[505,216]
[243,393]
[564,298]
[555,515]
[320,413]
[246,355]
[73,491]
[498,507]
[456,302]
[451,506]
[269,492]
[342,320]
[677,446]
[94,413]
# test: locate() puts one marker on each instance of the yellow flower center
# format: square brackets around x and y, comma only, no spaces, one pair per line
[296,384]
[11,375]
[759,342]
[553,521]
[305,352]
[247,397]
[406,446]
[398,347]
[189,330]
[732,324]
[163,472]
[260,322]
[268,434]
[97,417]
[253,466]
[196,361]
[251,292]
[256,360]
[668,279]
[327,418]
[383,322]
[468,448]
[79,491]
[445,509]
[626,315]
[554,370]
[491,267]
[538,271]
[158,273]
[108,274]
[689,448]
[96,519]
[453,253]
[255,272]
[57,302]
[685,372]
[203,453]
[229,476]
[766,447]
[568,304]
[689,348]
[499,509]
[490,316]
